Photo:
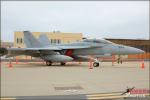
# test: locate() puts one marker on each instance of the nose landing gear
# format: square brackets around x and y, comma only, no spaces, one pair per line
[96,64]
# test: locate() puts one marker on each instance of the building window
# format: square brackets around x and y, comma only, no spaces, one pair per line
[20,40]
[17,40]
[59,41]
[54,40]
[51,40]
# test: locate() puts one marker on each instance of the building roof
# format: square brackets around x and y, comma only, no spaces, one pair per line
[127,39]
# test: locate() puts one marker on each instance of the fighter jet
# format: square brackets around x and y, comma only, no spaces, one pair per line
[77,51]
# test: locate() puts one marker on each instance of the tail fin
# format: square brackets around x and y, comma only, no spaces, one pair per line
[44,39]
[30,40]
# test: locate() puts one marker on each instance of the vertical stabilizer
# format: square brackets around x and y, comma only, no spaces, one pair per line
[44,39]
[30,40]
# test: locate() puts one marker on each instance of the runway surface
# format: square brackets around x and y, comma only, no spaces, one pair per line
[77,80]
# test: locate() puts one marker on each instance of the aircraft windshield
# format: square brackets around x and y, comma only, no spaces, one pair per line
[98,41]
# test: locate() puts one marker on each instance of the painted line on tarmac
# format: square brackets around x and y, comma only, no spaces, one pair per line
[97,96]
[107,96]
[104,94]
[94,96]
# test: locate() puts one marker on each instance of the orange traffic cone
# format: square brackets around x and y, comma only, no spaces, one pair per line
[10,65]
[79,62]
[142,65]
[16,61]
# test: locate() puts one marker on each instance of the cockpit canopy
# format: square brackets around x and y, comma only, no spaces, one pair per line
[97,41]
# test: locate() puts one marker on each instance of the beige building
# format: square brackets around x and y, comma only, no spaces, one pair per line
[54,37]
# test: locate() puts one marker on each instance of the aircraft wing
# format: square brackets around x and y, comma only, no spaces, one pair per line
[35,49]
[35,52]
[50,48]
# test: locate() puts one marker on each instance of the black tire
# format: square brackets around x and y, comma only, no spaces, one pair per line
[62,63]
[96,64]
[48,63]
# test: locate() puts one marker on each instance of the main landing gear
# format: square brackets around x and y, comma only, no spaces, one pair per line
[62,63]
[49,63]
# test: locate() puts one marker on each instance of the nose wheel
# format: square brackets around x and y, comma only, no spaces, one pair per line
[48,63]
[96,64]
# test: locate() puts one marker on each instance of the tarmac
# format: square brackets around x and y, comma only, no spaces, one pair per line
[74,79]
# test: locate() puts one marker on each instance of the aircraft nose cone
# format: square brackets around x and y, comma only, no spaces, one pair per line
[130,50]
[140,51]
[137,51]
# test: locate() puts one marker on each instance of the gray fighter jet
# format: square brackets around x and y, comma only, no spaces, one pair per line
[77,51]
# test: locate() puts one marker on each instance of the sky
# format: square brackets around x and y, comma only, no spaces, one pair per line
[95,19]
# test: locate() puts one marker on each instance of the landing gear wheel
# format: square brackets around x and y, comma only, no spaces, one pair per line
[48,63]
[62,63]
[95,64]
